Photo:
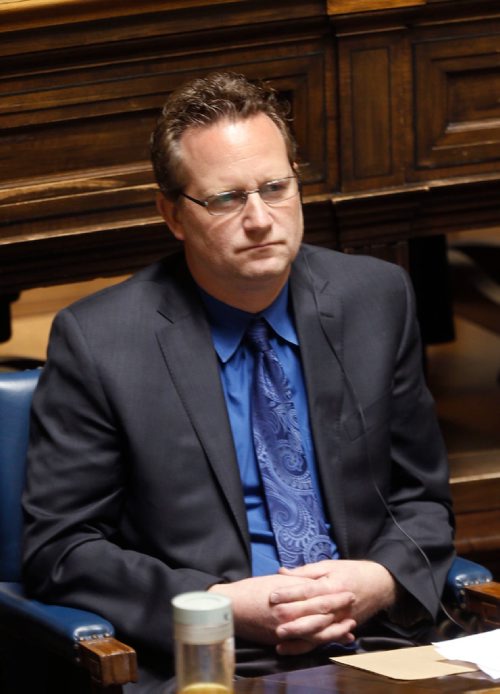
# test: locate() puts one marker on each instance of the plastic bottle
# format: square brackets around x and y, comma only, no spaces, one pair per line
[204,643]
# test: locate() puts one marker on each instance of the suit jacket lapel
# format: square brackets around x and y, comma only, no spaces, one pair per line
[186,343]
[318,318]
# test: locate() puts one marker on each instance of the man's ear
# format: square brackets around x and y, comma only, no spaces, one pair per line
[170,213]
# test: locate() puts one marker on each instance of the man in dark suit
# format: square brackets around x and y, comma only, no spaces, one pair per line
[143,481]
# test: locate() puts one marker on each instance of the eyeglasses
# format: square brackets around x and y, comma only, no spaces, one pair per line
[271,192]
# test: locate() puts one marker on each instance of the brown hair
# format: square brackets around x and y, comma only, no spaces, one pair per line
[203,102]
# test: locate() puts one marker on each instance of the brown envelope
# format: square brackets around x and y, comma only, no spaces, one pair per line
[417,663]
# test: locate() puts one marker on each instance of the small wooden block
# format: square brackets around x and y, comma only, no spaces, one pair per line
[108,661]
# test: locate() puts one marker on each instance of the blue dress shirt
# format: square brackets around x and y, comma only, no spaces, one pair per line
[236,361]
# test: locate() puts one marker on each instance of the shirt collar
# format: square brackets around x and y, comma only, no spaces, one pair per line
[229,324]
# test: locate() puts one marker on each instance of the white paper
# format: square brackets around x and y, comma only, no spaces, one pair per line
[481,649]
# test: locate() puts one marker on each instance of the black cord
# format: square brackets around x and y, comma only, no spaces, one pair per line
[389,511]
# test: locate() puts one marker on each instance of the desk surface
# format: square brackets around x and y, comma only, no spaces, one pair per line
[337,679]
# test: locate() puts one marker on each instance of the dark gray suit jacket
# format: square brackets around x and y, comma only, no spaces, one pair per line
[133,490]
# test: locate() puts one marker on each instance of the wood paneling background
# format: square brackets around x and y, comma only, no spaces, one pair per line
[410,89]
[79,101]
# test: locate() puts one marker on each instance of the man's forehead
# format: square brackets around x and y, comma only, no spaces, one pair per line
[230,147]
[231,129]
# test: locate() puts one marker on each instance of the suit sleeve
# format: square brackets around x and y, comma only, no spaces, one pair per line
[416,543]
[73,504]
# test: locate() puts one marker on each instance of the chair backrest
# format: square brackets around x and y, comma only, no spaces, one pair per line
[16,391]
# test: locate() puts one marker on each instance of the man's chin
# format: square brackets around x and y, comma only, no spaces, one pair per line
[273,262]
[267,269]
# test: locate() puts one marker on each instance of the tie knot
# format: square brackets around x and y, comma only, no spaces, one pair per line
[258,335]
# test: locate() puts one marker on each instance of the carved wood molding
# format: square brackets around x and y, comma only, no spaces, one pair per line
[438,207]
[187,15]
[108,251]
[336,7]
[376,222]
[24,14]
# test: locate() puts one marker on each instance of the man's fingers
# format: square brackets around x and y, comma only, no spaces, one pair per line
[309,626]
[304,626]
[316,570]
[307,590]
[338,604]
[338,632]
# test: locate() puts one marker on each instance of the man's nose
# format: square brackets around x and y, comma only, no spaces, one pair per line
[256,214]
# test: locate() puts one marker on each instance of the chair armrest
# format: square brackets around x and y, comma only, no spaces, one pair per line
[463,573]
[67,625]
[108,661]
[78,635]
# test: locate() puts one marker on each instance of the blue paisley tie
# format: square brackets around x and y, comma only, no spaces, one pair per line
[296,517]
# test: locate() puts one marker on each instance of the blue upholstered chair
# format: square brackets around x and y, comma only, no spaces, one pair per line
[80,637]
[70,635]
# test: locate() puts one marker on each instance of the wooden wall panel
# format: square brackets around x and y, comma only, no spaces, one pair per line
[457,101]
[374,105]
[371,110]
[100,118]
[419,127]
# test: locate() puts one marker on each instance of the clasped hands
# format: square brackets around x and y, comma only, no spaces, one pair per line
[299,609]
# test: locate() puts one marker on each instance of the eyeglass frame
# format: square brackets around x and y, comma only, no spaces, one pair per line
[245,193]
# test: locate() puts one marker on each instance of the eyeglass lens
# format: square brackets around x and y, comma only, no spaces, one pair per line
[271,192]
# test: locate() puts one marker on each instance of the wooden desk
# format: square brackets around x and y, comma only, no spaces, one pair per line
[336,679]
